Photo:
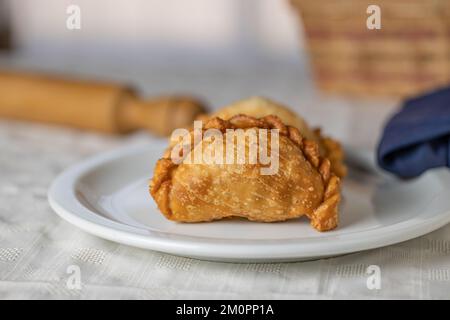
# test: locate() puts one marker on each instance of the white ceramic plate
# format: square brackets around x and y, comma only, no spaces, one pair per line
[108,196]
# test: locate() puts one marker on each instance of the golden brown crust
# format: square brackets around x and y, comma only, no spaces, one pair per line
[192,193]
[334,152]
[259,107]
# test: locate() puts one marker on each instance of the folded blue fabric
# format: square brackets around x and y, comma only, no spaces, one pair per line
[417,137]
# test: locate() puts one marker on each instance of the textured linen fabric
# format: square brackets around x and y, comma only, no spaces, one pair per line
[37,247]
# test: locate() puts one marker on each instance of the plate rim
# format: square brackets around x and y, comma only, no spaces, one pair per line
[62,190]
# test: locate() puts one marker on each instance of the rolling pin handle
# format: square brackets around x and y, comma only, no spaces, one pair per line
[160,115]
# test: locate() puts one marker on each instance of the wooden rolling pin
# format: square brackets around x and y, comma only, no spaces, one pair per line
[104,107]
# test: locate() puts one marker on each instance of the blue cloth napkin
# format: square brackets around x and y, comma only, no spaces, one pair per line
[417,137]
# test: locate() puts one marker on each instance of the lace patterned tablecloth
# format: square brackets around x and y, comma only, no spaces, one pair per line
[37,248]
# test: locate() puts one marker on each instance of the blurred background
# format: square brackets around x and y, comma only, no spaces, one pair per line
[154,30]
[220,50]
[296,52]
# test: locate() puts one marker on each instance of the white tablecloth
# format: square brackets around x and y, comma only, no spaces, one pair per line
[37,247]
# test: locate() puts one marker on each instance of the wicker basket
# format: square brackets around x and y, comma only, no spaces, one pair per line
[408,55]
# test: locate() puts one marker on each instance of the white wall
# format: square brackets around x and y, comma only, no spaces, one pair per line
[159,29]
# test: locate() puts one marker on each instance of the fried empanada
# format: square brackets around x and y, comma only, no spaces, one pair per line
[260,107]
[303,184]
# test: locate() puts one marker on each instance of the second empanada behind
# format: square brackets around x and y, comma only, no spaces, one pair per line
[259,107]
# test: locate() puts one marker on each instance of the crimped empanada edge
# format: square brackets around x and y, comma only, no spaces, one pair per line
[324,217]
